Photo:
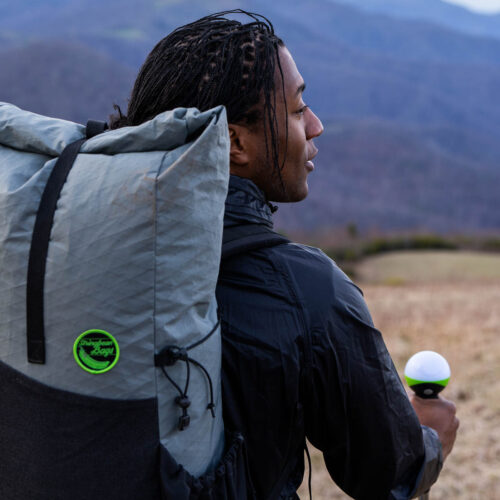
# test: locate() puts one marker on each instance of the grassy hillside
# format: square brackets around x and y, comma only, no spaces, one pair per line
[413,267]
[460,318]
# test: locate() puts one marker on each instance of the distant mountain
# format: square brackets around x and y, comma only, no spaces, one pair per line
[128,29]
[357,64]
[410,40]
[435,11]
[382,177]
[348,82]
[124,29]
[63,80]
[412,108]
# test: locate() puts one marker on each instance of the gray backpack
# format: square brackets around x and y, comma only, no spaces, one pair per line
[110,344]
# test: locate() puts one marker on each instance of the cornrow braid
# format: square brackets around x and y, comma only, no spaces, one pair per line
[213,61]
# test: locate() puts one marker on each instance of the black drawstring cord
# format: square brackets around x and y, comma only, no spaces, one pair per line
[210,405]
[310,470]
[182,401]
[206,337]
[168,356]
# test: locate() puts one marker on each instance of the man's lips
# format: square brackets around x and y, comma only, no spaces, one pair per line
[309,163]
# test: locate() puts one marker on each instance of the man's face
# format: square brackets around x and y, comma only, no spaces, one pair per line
[303,126]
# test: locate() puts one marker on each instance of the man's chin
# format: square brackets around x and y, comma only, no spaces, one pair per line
[291,196]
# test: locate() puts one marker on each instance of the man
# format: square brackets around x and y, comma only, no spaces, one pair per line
[301,357]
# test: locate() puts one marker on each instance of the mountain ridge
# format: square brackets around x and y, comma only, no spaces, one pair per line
[381,92]
[442,13]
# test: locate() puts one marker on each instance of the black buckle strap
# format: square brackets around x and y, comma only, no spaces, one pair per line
[39,249]
[35,327]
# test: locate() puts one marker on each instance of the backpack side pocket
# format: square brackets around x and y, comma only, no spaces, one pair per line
[229,480]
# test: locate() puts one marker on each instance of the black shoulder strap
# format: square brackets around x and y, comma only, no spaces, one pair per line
[245,238]
[95,127]
[35,329]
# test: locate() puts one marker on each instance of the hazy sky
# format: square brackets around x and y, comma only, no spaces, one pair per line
[479,5]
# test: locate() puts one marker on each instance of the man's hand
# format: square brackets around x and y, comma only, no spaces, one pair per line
[439,414]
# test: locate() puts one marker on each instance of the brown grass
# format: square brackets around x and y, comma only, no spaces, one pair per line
[430,266]
[461,320]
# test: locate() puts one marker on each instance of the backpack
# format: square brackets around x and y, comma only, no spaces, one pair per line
[110,246]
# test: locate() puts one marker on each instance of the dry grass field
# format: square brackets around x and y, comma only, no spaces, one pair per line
[449,303]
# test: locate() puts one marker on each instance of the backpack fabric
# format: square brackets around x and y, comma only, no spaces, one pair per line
[115,393]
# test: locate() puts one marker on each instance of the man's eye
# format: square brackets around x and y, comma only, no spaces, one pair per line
[302,110]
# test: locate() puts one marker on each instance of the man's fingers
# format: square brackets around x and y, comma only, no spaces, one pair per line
[440,415]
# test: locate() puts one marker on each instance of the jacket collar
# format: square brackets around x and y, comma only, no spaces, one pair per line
[246,203]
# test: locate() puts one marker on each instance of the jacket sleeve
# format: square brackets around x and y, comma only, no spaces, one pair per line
[357,412]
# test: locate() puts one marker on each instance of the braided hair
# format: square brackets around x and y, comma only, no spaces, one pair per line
[209,62]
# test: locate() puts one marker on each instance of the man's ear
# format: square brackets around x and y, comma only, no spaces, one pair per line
[239,152]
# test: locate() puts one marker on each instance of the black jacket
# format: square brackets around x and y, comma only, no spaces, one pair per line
[301,358]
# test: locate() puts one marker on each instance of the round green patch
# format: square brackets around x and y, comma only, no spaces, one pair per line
[96,351]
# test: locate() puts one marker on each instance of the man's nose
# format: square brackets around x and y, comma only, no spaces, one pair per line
[314,126]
